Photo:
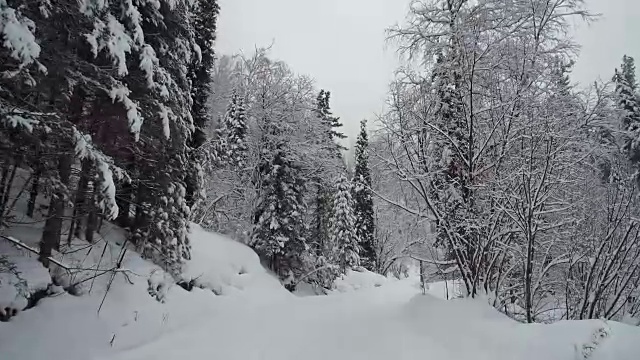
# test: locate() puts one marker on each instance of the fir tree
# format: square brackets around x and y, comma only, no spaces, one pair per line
[343,235]
[363,200]
[278,219]
[629,103]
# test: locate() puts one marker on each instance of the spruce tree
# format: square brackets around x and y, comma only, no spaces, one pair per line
[331,123]
[326,140]
[628,102]
[231,147]
[363,201]
[344,241]
[450,153]
[110,86]
[200,73]
[278,232]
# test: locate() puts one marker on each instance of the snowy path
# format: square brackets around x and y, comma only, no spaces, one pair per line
[368,324]
[388,322]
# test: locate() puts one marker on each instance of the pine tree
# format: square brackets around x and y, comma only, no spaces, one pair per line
[278,219]
[363,200]
[343,235]
[629,103]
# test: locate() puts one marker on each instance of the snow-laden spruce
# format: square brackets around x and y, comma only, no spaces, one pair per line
[343,238]
[363,202]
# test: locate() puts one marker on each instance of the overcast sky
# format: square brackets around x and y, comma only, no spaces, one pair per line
[341,43]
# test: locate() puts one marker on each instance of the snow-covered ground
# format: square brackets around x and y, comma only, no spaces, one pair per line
[237,310]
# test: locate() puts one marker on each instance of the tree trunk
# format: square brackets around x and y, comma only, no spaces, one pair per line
[80,203]
[6,185]
[422,279]
[53,226]
[141,221]
[124,205]
[37,175]
[4,179]
[528,272]
[33,194]
[92,218]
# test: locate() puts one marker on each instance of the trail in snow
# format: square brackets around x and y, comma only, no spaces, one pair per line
[369,324]
[388,322]
[253,317]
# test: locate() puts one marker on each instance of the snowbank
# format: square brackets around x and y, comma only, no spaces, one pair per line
[471,328]
[357,280]
[228,267]
[21,274]
[128,315]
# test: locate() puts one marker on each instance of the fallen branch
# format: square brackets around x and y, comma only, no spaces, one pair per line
[27,247]
[312,272]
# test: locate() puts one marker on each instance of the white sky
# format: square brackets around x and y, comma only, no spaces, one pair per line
[341,43]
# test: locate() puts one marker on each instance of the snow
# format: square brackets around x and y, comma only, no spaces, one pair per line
[238,310]
[228,267]
[20,274]
[121,93]
[165,114]
[17,35]
[16,121]
[135,18]
[356,280]
[84,148]
[91,7]
[119,44]
[148,63]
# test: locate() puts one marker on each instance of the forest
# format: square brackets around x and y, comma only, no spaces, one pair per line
[488,166]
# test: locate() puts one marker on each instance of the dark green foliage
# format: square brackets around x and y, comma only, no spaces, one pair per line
[200,72]
[628,102]
[363,201]
[344,241]
[332,123]
[278,219]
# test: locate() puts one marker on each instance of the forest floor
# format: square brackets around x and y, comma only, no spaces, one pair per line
[239,311]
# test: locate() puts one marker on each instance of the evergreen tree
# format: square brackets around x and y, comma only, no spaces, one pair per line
[329,148]
[110,87]
[449,153]
[161,229]
[278,219]
[321,217]
[363,201]
[231,147]
[331,123]
[629,103]
[54,129]
[200,73]
[343,235]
